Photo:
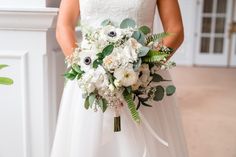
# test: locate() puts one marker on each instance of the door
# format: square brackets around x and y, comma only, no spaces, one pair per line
[212,44]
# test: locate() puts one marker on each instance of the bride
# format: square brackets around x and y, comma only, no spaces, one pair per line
[83,133]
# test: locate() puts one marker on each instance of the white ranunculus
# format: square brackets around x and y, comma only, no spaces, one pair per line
[86,58]
[126,75]
[111,62]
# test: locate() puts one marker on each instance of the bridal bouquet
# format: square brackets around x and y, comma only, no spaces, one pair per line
[116,66]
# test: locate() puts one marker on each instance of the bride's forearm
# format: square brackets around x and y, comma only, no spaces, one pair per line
[66,38]
[174,40]
[170,15]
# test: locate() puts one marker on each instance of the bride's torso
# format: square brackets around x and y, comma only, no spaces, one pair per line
[93,12]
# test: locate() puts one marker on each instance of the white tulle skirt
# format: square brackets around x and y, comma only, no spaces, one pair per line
[85,133]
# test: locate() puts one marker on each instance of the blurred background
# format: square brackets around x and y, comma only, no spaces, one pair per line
[205,77]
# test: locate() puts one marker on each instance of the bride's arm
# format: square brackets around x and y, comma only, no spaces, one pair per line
[172,22]
[67,20]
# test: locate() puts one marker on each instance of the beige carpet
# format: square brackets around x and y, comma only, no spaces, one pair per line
[207,98]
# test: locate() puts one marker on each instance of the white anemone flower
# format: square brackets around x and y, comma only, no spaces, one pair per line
[126,75]
[110,33]
[86,58]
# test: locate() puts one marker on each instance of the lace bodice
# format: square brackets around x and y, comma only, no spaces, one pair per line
[93,12]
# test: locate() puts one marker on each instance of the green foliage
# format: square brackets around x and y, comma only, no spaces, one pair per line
[106,22]
[74,72]
[128,23]
[146,30]
[3,66]
[97,62]
[139,36]
[86,103]
[158,78]
[154,56]
[136,35]
[107,50]
[159,93]
[5,80]
[92,98]
[142,101]
[103,104]
[131,105]
[143,51]
[170,90]
[156,37]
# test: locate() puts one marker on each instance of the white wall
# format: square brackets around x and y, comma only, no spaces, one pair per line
[28,107]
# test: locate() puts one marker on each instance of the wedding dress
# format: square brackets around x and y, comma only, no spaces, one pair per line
[85,133]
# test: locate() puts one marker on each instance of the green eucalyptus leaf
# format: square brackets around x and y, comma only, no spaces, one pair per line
[106,22]
[96,63]
[76,68]
[105,105]
[92,98]
[107,50]
[159,93]
[143,51]
[70,76]
[158,78]
[127,23]
[86,103]
[6,81]
[3,66]
[136,35]
[142,39]
[145,29]
[170,90]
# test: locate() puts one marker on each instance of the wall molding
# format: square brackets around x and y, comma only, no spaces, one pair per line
[38,19]
[22,56]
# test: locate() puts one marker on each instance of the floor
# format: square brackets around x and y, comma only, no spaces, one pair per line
[207,98]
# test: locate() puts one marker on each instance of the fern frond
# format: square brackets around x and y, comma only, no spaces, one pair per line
[156,37]
[154,56]
[131,106]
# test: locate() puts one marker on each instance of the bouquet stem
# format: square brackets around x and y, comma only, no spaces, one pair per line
[117,124]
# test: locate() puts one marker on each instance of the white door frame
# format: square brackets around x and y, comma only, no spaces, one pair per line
[212,59]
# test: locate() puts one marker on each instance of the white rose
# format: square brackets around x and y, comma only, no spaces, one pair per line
[126,75]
